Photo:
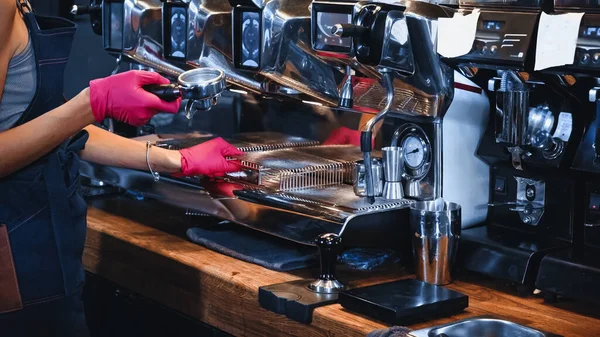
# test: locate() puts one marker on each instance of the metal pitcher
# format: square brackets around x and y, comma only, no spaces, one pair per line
[436,227]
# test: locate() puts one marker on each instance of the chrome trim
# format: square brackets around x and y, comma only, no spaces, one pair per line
[287,57]
[142,36]
[210,42]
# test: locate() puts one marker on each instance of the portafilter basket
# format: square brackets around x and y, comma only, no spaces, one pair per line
[201,87]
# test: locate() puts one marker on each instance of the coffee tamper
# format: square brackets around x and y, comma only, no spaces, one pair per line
[328,244]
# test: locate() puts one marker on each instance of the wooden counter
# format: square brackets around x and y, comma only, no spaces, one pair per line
[141,246]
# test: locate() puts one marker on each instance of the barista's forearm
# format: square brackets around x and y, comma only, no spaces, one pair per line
[109,149]
[24,144]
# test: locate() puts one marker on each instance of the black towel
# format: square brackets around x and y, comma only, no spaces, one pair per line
[395,331]
[253,246]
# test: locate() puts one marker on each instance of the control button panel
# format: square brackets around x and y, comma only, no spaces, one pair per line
[502,39]
[587,52]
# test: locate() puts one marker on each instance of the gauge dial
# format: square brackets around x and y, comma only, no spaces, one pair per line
[413,150]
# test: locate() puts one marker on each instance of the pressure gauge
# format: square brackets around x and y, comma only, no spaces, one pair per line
[413,150]
[416,151]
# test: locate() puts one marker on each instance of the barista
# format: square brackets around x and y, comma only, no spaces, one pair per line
[42,214]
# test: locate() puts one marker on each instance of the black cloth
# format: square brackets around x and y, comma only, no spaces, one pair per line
[253,246]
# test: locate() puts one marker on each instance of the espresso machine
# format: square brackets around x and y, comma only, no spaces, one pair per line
[290,187]
[428,107]
[574,272]
[529,145]
[296,188]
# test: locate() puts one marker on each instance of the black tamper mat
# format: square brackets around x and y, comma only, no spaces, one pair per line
[403,302]
[293,299]
[298,299]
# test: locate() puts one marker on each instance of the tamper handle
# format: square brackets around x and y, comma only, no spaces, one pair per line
[328,245]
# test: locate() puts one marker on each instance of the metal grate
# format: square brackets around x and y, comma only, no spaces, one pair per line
[370,95]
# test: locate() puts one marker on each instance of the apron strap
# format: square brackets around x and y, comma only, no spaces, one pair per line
[60,215]
[21,4]
[60,209]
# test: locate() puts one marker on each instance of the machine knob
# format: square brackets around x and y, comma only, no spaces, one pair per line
[484,50]
[493,50]
[79,9]
[328,245]
[84,9]
[596,58]
[348,30]
[530,192]
[585,58]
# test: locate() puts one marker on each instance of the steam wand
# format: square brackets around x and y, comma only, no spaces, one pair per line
[366,140]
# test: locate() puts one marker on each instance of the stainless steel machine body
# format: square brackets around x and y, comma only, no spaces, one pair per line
[282,56]
[142,35]
[439,115]
[208,40]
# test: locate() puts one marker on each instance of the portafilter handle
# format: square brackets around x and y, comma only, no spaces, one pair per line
[166,92]
[328,245]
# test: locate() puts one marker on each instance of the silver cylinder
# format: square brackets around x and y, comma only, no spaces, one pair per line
[393,190]
[511,124]
[435,235]
[359,178]
[392,163]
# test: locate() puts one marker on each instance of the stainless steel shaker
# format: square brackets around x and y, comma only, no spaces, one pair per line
[360,185]
[392,171]
[435,227]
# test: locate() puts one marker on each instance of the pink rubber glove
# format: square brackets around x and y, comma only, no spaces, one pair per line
[122,97]
[209,158]
[343,136]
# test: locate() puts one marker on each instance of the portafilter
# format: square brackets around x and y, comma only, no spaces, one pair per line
[201,87]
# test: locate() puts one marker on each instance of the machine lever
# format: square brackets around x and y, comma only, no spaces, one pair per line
[593,97]
[508,203]
[85,9]
[597,137]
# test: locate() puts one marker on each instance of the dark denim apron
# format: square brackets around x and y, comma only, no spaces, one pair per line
[42,208]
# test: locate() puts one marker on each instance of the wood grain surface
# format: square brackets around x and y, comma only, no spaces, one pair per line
[141,245]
